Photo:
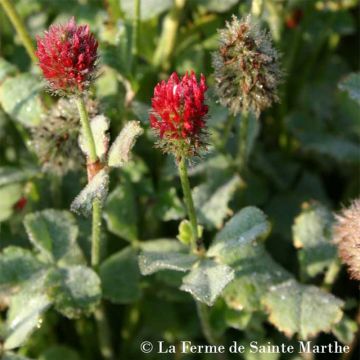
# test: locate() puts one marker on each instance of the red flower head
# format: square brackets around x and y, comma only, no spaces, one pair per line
[67,56]
[178,114]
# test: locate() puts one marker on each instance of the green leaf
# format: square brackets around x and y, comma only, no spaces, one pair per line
[206,280]
[59,352]
[148,8]
[6,69]
[99,126]
[20,98]
[168,205]
[120,211]
[255,273]
[97,188]
[312,236]
[75,290]
[13,356]
[25,311]
[17,265]
[54,233]
[159,258]
[345,330]
[9,175]
[337,148]
[351,84]
[294,308]
[247,225]
[211,202]
[216,5]
[9,195]
[119,153]
[120,277]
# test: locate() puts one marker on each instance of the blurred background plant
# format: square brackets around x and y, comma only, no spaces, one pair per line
[302,166]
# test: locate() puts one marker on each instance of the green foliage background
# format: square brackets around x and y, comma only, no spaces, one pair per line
[303,164]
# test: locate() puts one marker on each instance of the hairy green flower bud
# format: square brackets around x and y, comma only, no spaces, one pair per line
[347,237]
[246,66]
[55,140]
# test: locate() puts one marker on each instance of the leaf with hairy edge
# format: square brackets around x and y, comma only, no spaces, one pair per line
[164,254]
[247,225]
[120,277]
[99,125]
[211,202]
[119,153]
[206,280]
[255,273]
[25,311]
[294,308]
[97,188]
[54,233]
[312,236]
[75,290]
[17,265]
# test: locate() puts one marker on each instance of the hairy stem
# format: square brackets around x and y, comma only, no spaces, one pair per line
[100,315]
[104,333]
[167,39]
[227,129]
[135,28]
[85,124]
[96,234]
[242,156]
[19,27]
[197,242]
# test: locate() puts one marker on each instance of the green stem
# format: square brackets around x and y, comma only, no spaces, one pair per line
[227,129]
[169,32]
[135,29]
[85,124]
[20,28]
[242,156]
[96,234]
[257,7]
[210,336]
[100,315]
[104,333]
[197,242]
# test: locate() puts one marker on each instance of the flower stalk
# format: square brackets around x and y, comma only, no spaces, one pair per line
[197,244]
[92,160]
[20,28]
[244,125]
[167,41]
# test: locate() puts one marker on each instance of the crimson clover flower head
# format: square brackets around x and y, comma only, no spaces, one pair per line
[247,67]
[67,56]
[347,237]
[178,114]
